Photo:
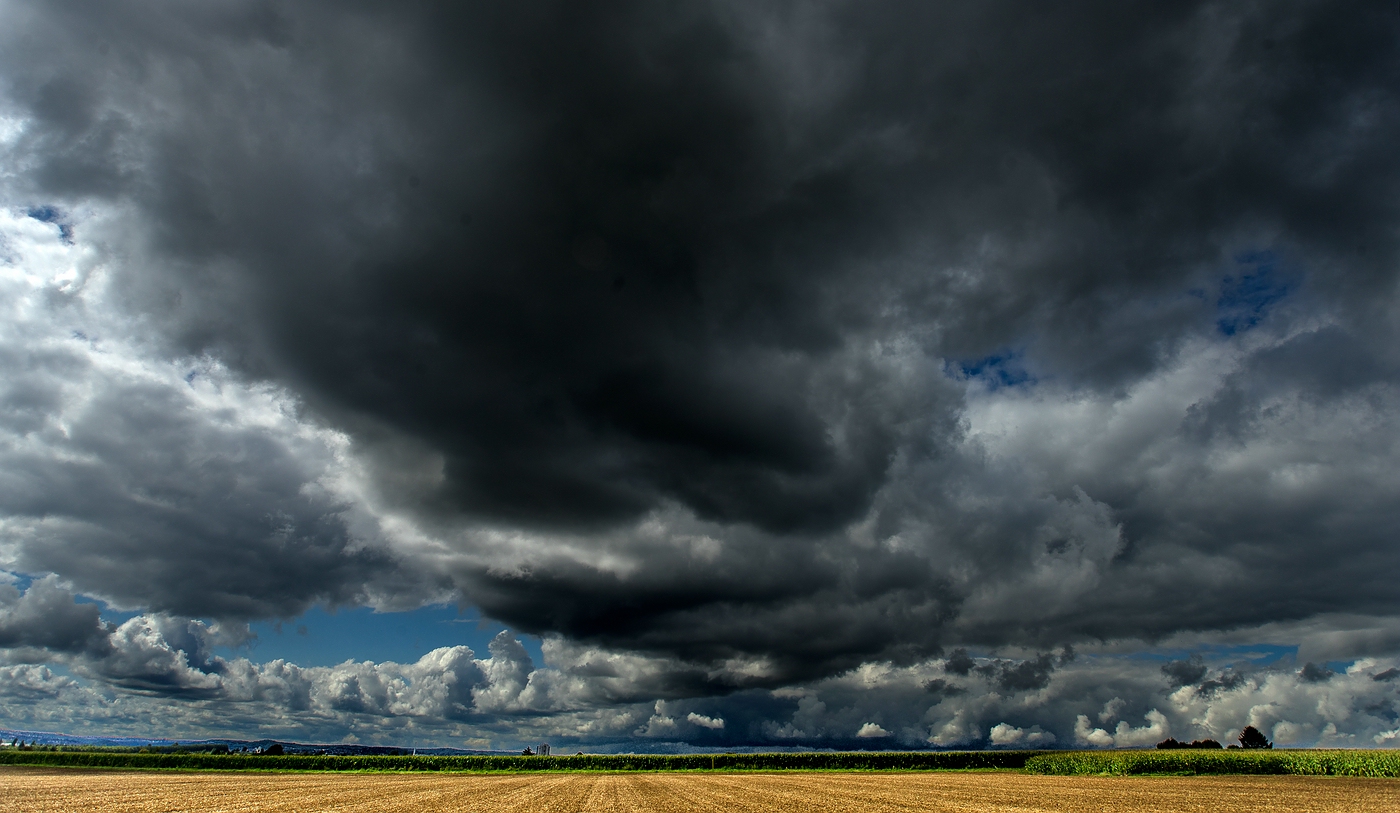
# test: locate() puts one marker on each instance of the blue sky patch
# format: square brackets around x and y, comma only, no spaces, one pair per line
[997,370]
[19,580]
[1258,654]
[1245,298]
[48,214]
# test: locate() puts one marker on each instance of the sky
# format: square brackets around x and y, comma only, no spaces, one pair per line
[656,376]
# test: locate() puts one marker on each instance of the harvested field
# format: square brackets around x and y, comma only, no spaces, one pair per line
[34,790]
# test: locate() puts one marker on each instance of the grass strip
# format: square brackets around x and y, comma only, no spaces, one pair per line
[1311,762]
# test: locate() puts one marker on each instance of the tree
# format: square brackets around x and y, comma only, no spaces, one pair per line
[1172,742]
[1252,738]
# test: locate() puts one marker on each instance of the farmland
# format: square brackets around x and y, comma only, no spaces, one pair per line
[35,790]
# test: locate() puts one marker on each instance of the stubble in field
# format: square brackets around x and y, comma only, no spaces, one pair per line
[34,790]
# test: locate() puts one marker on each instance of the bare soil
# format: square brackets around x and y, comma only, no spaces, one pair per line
[35,790]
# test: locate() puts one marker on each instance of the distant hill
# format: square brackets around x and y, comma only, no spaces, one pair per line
[343,749]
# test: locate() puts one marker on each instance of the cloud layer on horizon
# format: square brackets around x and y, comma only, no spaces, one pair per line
[159,676]
[750,350]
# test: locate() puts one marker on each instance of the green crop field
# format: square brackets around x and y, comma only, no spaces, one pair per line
[1300,763]
[1060,763]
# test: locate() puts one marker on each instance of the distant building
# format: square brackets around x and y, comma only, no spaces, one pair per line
[544,749]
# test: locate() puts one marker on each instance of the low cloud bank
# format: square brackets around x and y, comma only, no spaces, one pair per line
[124,677]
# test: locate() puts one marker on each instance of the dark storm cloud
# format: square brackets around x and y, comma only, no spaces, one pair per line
[1312,673]
[1224,682]
[46,617]
[1026,675]
[765,279]
[939,686]
[610,254]
[959,663]
[1185,673]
